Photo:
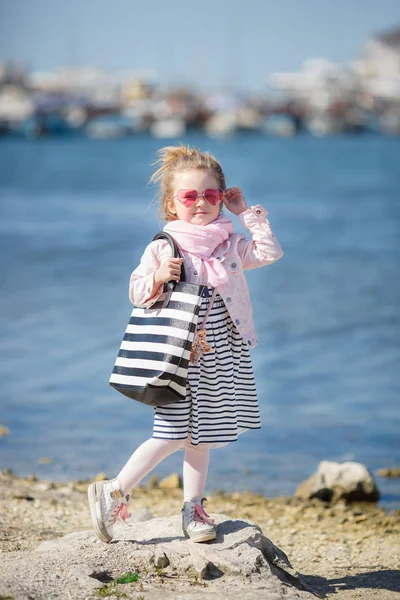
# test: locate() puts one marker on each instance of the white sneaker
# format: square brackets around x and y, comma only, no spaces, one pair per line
[106,502]
[196,523]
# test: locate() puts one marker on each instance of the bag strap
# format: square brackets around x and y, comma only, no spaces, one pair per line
[176,253]
[209,307]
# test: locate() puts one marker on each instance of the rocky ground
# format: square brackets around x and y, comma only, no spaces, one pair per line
[341,551]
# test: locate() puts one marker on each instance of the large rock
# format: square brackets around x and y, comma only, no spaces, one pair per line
[240,560]
[334,481]
[172,482]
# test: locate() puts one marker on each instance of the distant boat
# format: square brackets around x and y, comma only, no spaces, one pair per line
[389,122]
[169,127]
[50,123]
[110,126]
[15,107]
[221,124]
[279,125]
[321,125]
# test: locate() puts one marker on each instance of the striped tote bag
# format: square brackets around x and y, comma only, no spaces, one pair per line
[153,359]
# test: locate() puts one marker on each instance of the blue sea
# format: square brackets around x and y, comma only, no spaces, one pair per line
[76,215]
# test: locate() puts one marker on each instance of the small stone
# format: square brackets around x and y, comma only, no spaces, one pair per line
[360,518]
[161,560]
[392,472]
[172,482]
[44,486]
[80,486]
[7,473]
[66,490]
[23,497]
[153,482]
[198,566]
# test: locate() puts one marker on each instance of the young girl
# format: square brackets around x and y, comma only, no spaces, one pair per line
[221,398]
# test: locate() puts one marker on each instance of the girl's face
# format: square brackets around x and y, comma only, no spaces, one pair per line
[201,212]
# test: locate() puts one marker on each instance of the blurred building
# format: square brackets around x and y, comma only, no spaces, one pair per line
[319,82]
[379,70]
[95,85]
[363,95]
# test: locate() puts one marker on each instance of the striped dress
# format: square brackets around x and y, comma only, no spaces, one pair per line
[221,398]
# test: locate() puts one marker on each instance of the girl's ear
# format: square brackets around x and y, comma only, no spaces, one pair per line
[171,206]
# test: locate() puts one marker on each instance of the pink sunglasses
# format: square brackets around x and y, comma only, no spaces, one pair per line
[188,197]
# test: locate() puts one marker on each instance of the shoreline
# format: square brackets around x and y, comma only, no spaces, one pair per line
[388,500]
[352,544]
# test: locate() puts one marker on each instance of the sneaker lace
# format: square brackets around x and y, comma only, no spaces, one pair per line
[120,510]
[200,515]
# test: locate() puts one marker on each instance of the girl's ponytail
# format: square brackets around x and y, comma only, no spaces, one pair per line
[168,156]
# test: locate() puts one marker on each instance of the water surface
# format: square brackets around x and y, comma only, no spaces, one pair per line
[75,218]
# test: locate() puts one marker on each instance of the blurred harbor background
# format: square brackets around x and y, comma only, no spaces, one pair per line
[164,79]
[317,146]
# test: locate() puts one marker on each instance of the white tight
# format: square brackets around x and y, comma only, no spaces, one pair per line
[153,451]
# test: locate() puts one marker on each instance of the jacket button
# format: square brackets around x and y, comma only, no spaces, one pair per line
[148,290]
[237,321]
[233,265]
[249,342]
[195,273]
[258,211]
[229,299]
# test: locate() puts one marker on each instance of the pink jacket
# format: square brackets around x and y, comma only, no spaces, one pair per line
[236,253]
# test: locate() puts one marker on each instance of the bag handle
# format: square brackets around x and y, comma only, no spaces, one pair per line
[176,253]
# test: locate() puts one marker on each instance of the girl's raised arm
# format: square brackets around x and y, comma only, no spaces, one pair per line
[263,249]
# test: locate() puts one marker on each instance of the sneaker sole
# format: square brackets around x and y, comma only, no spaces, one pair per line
[201,537]
[93,497]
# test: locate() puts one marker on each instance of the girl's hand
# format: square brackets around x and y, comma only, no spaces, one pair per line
[235,201]
[169,269]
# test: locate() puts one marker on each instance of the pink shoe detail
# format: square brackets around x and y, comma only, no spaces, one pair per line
[201,515]
[122,512]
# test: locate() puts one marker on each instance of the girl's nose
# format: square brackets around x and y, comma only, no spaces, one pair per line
[201,199]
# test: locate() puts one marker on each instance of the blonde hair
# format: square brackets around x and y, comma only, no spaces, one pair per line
[175,159]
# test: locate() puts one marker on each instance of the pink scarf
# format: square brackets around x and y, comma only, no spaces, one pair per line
[202,240]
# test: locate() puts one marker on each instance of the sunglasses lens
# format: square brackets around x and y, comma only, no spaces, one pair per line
[187,197]
[213,196]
